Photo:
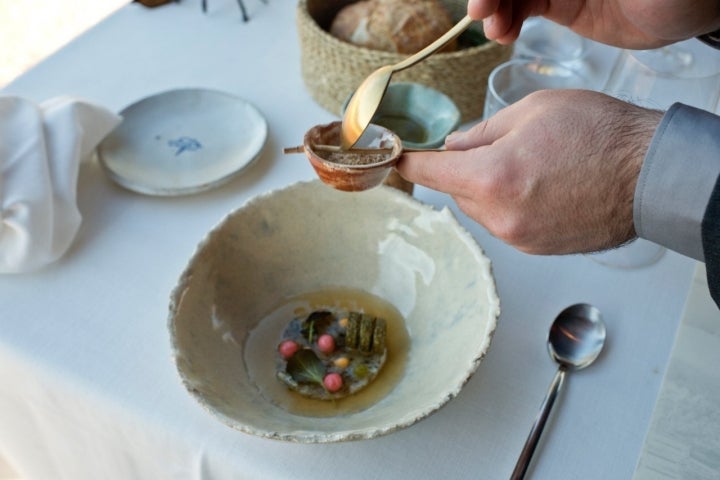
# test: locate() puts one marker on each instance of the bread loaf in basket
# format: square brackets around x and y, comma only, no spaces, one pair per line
[333,68]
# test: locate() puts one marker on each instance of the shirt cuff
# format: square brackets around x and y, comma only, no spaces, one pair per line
[677,178]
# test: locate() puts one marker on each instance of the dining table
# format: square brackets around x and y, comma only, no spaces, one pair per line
[90,389]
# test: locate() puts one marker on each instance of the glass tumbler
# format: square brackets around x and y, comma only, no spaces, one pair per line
[514,79]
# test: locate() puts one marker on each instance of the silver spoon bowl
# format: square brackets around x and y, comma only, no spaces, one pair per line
[576,338]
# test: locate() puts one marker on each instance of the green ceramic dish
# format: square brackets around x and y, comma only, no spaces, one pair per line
[420,115]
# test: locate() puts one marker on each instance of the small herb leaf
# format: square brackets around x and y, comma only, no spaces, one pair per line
[316,324]
[306,367]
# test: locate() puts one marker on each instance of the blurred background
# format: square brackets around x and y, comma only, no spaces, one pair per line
[30,30]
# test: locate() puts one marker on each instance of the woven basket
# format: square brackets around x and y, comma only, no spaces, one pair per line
[332,69]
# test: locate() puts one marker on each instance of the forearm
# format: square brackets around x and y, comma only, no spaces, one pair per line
[676,180]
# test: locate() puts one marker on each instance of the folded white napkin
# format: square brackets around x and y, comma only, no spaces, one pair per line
[41,147]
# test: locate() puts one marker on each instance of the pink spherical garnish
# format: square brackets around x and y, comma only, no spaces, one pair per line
[326,343]
[288,348]
[333,382]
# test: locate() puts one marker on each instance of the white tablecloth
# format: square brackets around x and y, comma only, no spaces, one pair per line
[89,388]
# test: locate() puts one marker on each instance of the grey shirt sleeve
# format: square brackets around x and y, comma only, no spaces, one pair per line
[677,178]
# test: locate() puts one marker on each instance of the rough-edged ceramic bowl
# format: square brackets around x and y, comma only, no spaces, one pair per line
[309,238]
[352,177]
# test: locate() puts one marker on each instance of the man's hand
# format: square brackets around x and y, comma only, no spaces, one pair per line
[553,173]
[636,24]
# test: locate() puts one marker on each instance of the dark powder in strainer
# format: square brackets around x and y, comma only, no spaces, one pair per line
[354,158]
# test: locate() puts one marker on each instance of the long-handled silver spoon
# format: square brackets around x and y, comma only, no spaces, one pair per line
[575,340]
[366,99]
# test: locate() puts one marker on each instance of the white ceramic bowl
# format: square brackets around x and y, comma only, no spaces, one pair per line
[226,310]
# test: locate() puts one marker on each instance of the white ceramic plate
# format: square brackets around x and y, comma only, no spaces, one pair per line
[183,141]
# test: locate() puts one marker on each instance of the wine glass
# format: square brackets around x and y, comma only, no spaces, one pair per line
[686,72]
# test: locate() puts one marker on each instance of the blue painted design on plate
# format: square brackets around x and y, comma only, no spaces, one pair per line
[183,144]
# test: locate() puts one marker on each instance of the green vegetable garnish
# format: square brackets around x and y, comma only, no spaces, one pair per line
[306,367]
[316,323]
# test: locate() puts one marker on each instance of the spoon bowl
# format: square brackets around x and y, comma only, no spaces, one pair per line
[575,340]
[363,104]
[366,99]
[577,336]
